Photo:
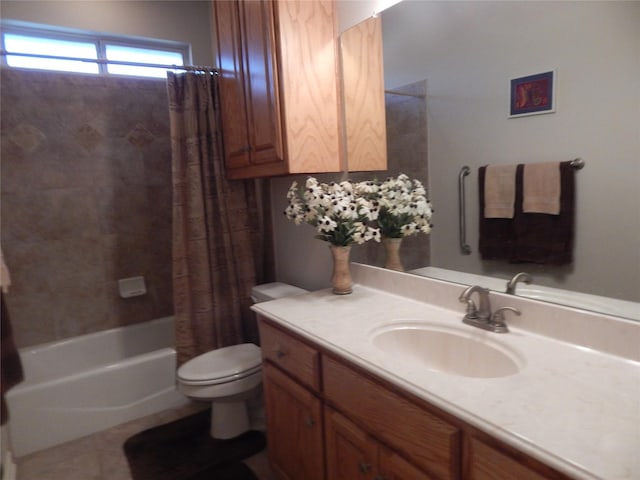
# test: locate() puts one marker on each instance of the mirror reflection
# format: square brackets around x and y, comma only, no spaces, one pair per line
[447,67]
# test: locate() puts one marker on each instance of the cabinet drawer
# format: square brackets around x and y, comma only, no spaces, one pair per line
[291,355]
[431,443]
[487,463]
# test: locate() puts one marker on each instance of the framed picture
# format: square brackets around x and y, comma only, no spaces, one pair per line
[533,94]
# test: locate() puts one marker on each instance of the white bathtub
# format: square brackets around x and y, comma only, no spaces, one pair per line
[86,384]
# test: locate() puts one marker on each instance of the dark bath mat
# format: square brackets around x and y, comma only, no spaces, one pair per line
[184,450]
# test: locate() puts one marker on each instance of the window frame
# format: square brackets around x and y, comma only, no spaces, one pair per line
[99,40]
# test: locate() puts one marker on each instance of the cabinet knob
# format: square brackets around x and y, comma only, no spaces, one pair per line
[365,467]
[280,352]
[309,422]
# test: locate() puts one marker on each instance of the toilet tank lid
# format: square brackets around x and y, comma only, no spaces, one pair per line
[271,291]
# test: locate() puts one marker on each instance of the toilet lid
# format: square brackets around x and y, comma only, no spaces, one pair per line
[222,364]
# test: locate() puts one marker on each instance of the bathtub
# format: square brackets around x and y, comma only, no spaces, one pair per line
[86,384]
[585,301]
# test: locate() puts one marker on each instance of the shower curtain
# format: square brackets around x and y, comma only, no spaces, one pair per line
[217,232]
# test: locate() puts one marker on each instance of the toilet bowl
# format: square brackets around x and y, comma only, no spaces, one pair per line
[230,376]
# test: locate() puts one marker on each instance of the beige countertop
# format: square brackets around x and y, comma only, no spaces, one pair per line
[575,408]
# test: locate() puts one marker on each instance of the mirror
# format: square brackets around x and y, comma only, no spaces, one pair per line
[455,59]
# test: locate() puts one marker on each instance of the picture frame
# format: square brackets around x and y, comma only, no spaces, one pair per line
[532,94]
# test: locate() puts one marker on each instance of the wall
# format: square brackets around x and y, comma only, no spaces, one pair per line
[90,203]
[86,200]
[468,51]
[182,21]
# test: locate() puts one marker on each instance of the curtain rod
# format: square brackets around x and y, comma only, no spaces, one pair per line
[102,61]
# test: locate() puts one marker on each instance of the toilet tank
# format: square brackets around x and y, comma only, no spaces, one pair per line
[274,290]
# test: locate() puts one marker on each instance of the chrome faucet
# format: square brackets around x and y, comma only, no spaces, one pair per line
[518,277]
[481,316]
[483,311]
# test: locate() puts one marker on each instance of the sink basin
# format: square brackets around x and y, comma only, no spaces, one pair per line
[447,349]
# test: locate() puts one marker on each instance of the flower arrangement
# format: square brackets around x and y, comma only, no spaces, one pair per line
[404,207]
[345,213]
[339,211]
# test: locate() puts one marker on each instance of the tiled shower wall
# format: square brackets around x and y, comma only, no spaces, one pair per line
[86,200]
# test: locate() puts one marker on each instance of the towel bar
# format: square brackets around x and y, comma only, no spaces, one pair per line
[577,163]
[464,247]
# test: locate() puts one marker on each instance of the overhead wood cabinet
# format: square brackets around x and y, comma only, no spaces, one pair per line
[279,86]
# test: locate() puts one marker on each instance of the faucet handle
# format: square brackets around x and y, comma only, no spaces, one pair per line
[497,320]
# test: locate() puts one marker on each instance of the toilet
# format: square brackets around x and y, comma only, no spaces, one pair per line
[228,377]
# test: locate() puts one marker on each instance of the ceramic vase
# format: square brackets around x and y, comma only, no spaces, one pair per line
[392,252]
[341,277]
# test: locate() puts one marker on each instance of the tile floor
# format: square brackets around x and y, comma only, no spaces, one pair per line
[100,456]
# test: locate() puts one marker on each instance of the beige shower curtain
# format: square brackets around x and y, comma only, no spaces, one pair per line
[217,234]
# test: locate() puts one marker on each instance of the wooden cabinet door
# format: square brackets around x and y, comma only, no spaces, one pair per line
[487,463]
[294,427]
[363,92]
[394,467]
[265,129]
[351,453]
[249,102]
[233,107]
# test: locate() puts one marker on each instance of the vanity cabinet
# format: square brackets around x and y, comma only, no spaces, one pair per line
[293,412]
[323,412]
[279,86]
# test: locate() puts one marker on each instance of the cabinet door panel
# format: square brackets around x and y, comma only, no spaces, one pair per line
[308,84]
[262,100]
[364,102]
[350,452]
[487,463]
[294,427]
[232,102]
[394,467]
[431,443]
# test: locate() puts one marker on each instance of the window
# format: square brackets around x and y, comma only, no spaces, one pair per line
[47,49]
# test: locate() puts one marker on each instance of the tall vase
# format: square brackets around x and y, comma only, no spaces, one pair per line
[341,277]
[392,250]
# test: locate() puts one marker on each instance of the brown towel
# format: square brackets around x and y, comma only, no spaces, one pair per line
[530,237]
[10,366]
[541,188]
[499,191]
[497,239]
[543,238]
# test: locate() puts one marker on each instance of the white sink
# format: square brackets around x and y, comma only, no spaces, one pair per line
[451,350]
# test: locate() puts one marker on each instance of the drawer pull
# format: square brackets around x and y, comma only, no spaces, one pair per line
[280,352]
[309,422]
[365,467]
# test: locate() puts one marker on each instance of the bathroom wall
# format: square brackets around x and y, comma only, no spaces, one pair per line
[86,192]
[86,200]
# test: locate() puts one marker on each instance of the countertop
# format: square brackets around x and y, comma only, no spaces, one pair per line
[574,408]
